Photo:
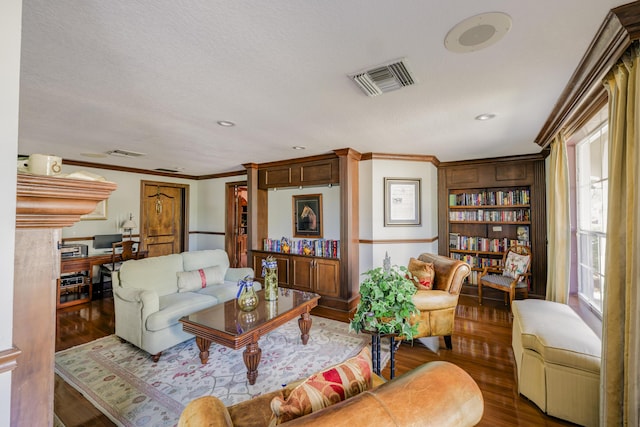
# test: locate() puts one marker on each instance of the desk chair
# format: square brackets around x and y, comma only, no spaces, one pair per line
[121,251]
[511,277]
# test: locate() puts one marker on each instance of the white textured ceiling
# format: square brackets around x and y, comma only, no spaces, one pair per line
[154,76]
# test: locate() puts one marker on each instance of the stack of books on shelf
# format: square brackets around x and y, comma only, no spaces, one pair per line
[495,198]
[326,248]
[516,215]
[484,244]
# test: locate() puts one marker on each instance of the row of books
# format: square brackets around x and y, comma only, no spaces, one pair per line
[326,248]
[485,244]
[476,261]
[516,215]
[491,198]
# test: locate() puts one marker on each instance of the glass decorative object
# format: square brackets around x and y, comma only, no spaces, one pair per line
[247,297]
[270,274]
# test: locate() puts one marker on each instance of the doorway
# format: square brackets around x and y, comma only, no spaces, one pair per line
[236,223]
[164,213]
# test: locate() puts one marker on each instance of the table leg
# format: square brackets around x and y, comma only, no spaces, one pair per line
[251,358]
[203,345]
[304,322]
[392,349]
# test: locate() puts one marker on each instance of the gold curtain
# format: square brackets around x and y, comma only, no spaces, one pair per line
[620,374]
[559,233]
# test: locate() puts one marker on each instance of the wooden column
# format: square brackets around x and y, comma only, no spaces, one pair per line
[44,206]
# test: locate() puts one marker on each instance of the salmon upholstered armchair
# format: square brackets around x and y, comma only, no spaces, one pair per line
[437,306]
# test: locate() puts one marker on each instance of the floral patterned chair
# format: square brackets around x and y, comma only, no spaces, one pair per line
[511,277]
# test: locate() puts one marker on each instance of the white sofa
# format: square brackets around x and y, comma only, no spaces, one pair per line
[149,302]
[557,360]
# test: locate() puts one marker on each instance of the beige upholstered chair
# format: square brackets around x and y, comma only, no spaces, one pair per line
[438,305]
[494,277]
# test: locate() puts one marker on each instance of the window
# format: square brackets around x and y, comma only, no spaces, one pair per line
[592,179]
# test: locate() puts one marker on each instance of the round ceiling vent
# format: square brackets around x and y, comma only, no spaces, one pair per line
[478,32]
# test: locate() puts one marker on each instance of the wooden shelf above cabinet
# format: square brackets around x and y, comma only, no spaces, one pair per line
[306,173]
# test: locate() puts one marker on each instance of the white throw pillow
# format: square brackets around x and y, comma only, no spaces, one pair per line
[197,279]
[515,265]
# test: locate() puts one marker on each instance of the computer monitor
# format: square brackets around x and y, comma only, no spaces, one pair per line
[104,241]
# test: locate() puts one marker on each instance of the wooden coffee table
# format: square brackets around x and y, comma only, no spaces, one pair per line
[226,324]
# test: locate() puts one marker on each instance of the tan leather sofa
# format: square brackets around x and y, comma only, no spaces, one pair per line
[435,394]
[438,305]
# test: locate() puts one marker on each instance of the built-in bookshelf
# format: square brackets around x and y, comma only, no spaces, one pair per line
[486,206]
[484,223]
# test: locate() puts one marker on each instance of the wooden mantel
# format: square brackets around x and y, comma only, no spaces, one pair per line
[44,205]
[51,202]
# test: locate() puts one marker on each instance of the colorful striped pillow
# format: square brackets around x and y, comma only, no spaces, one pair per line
[323,389]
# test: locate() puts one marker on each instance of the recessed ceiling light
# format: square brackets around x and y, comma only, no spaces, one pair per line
[226,123]
[299,147]
[486,116]
[478,32]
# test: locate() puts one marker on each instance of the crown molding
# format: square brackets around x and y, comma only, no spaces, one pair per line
[619,29]
[405,157]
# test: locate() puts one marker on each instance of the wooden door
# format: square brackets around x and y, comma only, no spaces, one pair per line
[236,223]
[164,217]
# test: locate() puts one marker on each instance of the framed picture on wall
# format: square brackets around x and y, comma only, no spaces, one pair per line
[100,212]
[307,215]
[402,201]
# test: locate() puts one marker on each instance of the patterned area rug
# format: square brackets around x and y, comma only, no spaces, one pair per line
[123,382]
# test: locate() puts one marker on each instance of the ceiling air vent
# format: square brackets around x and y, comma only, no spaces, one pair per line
[125,153]
[384,78]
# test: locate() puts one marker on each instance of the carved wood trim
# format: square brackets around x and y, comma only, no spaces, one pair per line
[51,202]
[9,359]
[407,157]
[392,241]
[493,160]
[619,29]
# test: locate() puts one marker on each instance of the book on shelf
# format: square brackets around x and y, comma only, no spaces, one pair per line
[454,240]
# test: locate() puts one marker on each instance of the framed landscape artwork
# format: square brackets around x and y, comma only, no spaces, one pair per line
[307,215]
[401,201]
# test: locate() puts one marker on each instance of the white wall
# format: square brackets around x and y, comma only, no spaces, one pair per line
[211,211]
[280,211]
[372,174]
[10,33]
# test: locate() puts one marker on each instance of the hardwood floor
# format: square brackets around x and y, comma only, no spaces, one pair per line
[481,346]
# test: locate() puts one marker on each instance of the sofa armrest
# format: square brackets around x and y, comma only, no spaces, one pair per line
[235,274]
[147,301]
[205,411]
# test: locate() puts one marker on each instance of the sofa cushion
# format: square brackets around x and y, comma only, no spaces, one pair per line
[174,306]
[203,259]
[421,273]
[325,388]
[225,291]
[201,278]
[154,274]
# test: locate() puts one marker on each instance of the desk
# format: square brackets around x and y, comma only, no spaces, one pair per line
[81,292]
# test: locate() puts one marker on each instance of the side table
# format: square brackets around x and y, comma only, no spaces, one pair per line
[376,340]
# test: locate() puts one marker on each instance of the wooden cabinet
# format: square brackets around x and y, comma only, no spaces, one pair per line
[305,273]
[488,204]
[337,280]
[316,172]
